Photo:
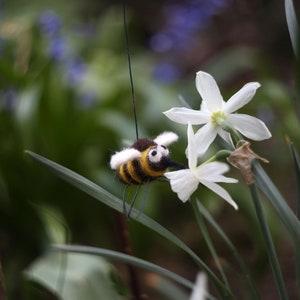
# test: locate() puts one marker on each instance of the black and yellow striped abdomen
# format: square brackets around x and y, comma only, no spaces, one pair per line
[141,170]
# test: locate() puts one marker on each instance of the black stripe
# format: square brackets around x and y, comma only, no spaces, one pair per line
[128,178]
[139,172]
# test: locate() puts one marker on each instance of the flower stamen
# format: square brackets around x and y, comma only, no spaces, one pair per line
[218,117]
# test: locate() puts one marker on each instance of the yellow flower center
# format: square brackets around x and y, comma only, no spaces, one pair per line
[218,117]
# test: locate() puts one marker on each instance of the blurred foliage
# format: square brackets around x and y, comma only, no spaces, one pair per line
[65,93]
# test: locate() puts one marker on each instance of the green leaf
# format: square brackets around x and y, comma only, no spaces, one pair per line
[114,202]
[292,24]
[55,226]
[286,215]
[205,213]
[74,276]
[296,161]
[127,259]
[264,228]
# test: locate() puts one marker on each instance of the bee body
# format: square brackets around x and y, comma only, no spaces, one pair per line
[145,160]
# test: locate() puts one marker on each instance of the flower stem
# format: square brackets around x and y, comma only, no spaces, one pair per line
[235,253]
[269,242]
[220,155]
[207,239]
[2,289]
[235,135]
[127,248]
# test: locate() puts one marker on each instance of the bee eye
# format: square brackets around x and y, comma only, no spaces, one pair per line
[154,152]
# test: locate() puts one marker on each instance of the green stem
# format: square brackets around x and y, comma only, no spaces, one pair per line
[235,253]
[297,251]
[269,242]
[207,239]
[220,155]
[2,289]
[235,135]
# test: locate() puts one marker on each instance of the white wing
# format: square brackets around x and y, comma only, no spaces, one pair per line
[166,138]
[123,157]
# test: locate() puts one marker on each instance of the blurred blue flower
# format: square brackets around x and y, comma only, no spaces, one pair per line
[50,23]
[87,99]
[166,72]
[9,99]
[76,69]
[183,20]
[58,48]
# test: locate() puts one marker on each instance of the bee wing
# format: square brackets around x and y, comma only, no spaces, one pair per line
[123,157]
[166,138]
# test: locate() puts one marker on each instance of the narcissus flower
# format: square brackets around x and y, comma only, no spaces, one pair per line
[200,288]
[214,111]
[185,182]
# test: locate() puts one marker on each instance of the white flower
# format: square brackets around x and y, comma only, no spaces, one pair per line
[200,288]
[184,182]
[214,110]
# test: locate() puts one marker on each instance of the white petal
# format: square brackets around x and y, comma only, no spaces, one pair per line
[241,98]
[123,157]
[219,191]
[209,91]
[184,115]
[213,171]
[249,126]
[191,148]
[166,138]
[225,135]
[183,182]
[204,137]
[200,287]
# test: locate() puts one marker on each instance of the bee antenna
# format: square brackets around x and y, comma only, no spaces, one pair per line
[130,71]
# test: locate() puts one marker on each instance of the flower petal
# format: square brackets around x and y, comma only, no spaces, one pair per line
[219,191]
[191,148]
[200,287]
[204,137]
[213,171]
[183,182]
[184,115]
[209,91]
[241,98]
[249,126]
[225,136]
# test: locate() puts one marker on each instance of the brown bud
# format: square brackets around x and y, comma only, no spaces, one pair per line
[240,158]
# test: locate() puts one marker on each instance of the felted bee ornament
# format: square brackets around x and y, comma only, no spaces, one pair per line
[145,160]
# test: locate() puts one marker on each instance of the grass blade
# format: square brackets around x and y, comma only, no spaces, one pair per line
[114,202]
[292,24]
[214,224]
[125,258]
[208,240]
[284,212]
[269,242]
[296,160]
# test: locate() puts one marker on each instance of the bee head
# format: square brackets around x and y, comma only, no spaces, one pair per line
[158,154]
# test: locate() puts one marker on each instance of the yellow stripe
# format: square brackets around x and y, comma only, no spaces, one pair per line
[131,171]
[122,174]
[147,168]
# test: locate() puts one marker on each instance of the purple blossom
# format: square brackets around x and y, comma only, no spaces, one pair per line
[87,99]
[183,20]
[58,48]
[50,23]
[76,69]
[9,98]
[166,72]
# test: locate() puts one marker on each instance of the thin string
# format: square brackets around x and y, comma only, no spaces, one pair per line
[130,72]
